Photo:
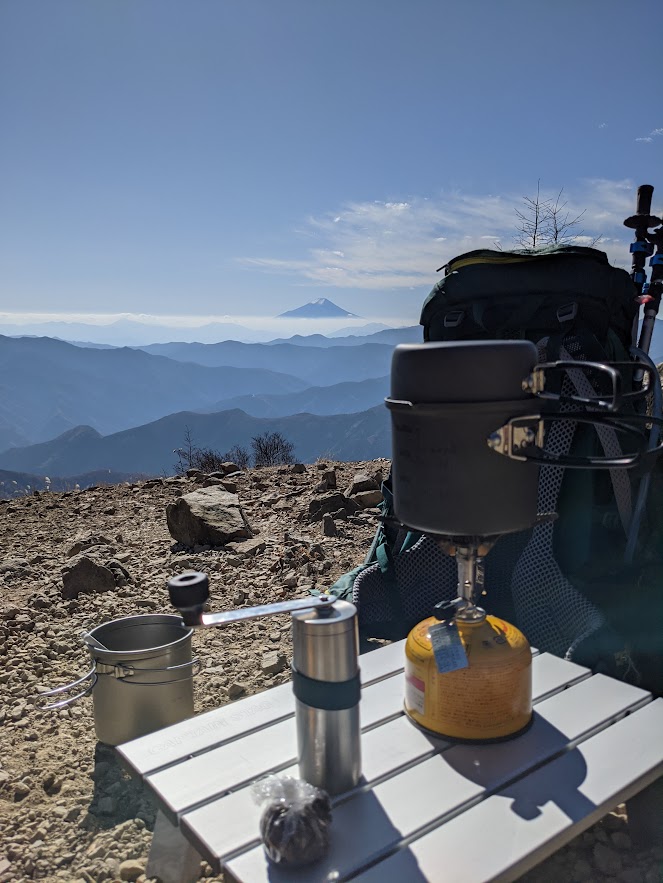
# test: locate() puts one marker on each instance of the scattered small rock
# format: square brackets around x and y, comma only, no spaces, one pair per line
[367,499]
[21,791]
[621,840]
[330,503]
[582,870]
[131,869]
[247,549]
[361,482]
[273,663]
[85,541]
[329,528]
[607,860]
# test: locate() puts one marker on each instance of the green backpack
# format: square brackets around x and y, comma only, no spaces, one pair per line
[566,584]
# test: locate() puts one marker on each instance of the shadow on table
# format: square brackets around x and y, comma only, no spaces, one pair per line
[499,768]
[367,830]
[116,796]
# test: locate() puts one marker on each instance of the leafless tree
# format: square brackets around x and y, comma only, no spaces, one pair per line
[272,449]
[237,455]
[185,454]
[532,220]
[561,228]
[208,460]
[190,456]
[548,222]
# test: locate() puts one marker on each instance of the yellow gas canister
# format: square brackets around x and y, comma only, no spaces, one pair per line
[490,698]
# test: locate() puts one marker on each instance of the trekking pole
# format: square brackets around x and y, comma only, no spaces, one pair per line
[650,298]
[640,222]
[645,481]
[651,295]
[641,249]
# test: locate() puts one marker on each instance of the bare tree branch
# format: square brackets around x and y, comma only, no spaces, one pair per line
[547,222]
[272,449]
[531,229]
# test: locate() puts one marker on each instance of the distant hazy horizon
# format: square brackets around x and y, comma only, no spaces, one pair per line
[129,329]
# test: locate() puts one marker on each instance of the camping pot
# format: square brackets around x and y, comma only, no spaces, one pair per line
[447,401]
[141,677]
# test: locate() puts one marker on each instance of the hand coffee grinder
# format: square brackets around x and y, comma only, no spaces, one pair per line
[325,675]
[455,407]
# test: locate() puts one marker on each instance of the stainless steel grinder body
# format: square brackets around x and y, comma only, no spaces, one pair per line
[327,692]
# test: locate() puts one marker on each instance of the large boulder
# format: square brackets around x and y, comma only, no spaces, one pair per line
[208,516]
[83,576]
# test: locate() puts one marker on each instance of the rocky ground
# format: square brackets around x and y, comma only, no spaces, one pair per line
[67,811]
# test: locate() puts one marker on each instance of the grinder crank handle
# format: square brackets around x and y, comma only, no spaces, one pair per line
[190,591]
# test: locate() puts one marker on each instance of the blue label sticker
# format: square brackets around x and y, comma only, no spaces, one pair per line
[448,648]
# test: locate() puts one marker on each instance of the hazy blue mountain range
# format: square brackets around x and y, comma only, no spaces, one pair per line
[322,308]
[48,386]
[126,332]
[319,366]
[149,449]
[341,398]
[361,330]
[392,336]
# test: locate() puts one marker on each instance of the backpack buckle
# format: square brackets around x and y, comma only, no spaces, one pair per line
[567,313]
[454,318]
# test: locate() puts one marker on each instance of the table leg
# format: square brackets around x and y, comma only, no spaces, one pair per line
[645,812]
[172,858]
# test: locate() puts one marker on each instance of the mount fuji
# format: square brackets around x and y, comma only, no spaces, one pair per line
[318,309]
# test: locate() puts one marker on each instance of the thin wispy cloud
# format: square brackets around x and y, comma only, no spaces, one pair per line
[400,244]
[655,133]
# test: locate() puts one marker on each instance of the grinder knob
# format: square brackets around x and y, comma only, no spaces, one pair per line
[189,592]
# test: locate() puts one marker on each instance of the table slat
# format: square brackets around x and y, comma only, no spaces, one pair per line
[375,820]
[551,674]
[571,793]
[156,750]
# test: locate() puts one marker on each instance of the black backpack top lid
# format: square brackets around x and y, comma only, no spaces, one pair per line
[530,293]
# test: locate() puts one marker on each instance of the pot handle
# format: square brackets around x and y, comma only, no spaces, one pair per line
[124,673]
[64,703]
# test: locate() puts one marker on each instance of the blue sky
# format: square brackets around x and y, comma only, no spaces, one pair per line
[204,158]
